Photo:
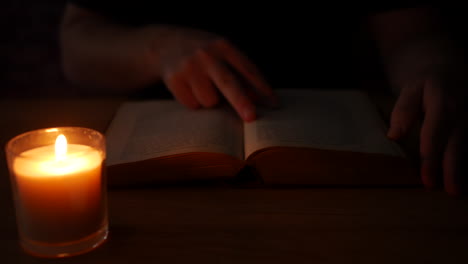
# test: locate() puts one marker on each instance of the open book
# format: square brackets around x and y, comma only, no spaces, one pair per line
[316,137]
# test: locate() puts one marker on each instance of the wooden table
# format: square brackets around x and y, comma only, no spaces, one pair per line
[207,224]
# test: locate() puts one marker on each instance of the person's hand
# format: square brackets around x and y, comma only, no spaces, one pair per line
[433,86]
[200,68]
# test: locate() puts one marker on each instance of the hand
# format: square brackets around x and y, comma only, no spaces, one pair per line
[439,95]
[199,67]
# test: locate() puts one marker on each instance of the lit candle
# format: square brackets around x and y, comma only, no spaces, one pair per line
[59,193]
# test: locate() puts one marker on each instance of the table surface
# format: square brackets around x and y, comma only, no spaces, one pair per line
[222,224]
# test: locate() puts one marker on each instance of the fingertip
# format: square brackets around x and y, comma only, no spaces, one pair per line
[211,101]
[394,133]
[193,105]
[454,184]
[454,187]
[449,173]
[428,185]
[248,114]
[454,190]
[428,176]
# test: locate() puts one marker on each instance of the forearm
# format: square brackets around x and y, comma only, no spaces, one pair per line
[411,42]
[104,56]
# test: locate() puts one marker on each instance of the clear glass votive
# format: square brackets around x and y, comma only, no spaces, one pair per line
[59,189]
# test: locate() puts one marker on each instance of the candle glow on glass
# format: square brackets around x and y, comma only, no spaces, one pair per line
[61,159]
[59,187]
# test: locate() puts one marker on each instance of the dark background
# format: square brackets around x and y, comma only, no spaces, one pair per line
[30,51]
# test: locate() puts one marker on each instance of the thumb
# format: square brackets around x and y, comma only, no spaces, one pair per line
[406,110]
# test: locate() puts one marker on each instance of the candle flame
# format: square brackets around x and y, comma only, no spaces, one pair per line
[60,147]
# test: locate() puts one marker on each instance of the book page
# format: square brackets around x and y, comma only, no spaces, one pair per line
[151,129]
[325,119]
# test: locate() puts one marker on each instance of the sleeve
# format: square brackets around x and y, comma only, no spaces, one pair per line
[124,12]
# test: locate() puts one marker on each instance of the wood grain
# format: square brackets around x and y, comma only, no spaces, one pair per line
[225,225]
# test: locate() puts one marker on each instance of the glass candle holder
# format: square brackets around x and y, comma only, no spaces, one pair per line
[59,187]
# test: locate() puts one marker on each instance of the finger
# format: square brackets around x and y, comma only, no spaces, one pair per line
[181,91]
[247,69]
[434,134]
[202,87]
[406,111]
[205,92]
[454,168]
[229,86]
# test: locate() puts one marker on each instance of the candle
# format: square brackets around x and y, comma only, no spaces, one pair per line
[60,201]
